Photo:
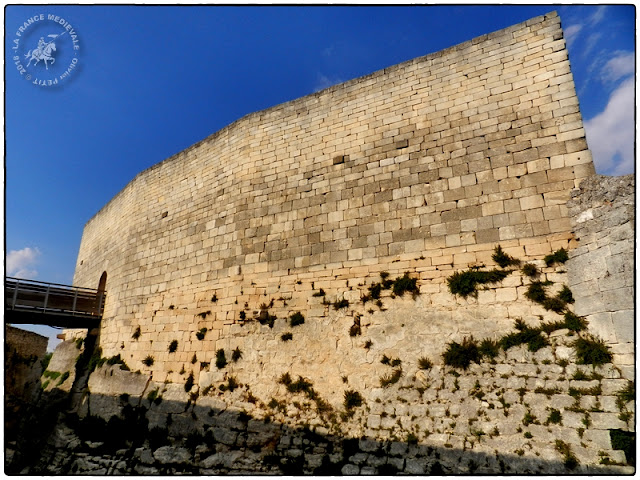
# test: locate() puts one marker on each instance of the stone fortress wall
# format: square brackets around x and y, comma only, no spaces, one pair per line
[423,168]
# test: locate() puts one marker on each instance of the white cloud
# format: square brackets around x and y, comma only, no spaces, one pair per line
[610,134]
[572,32]
[590,43]
[623,64]
[325,82]
[20,262]
[597,15]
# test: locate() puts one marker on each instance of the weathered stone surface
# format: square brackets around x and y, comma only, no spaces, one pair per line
[169,454]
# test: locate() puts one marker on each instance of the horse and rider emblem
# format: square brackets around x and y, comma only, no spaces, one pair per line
[44,51]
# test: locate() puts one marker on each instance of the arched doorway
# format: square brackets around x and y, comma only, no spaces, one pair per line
[102,287]
[103,282]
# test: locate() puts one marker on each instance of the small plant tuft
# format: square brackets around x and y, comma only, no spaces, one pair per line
[236,355]
[319,293]
[424,363]
[352,399]
[565,295]
[503,259]
[573,322]
[394,377]
[404,284]
[559,256]
[530,270]
[231,385]
[338,304]
[466,283]
[148,361]
[221,359]
[136,333]
[201,333]
[188,385]
[285,337]
[592,351]
[173,346]
[489,348]
[296,319]
[460,355]
[570,460]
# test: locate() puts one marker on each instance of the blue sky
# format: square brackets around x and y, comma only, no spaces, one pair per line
[150,81]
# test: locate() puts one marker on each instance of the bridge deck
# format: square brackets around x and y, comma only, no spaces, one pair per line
[30,301]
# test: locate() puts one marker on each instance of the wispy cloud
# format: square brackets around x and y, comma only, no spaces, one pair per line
[590,43]
[20,263]
[620,66]
[326,82]
[572,32]
[611,133]
[597,15]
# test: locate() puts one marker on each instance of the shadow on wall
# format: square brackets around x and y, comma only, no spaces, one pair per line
[149,435]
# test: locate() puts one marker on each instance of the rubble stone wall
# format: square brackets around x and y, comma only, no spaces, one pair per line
[23,352]
[602,269]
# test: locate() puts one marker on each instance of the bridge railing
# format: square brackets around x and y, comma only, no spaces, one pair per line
[44,297]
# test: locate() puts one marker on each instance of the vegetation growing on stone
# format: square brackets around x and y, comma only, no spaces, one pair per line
[296,319]
[221,359]
[565,295]
[392,362]
[200,334]
[338,304]
[525,335]
[136,333]
[285,337]
[236,355]
[591,350]
[466,283]
[63,378]
[204,315]
[352,399]
[188,385]
[319,293]
[628,393]
[392,378]
[404,284]
[231,385]
[530,270]
[570,460]
[573,322]
[503,259]
[355,329]
[148,360]
[173,346]
[489,348]
[300,385]
[554,417]
[424,363]
[153,396]
[460,355]
[559,256]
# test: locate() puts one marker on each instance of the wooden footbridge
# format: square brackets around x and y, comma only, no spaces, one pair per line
[53,304]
